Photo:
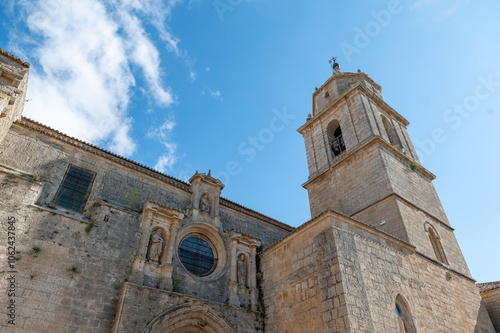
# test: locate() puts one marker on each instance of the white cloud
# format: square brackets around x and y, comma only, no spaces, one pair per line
[144,53]
[439,11]
[162,134]
[215,94]
[167,160]
[192,76]
[81,79]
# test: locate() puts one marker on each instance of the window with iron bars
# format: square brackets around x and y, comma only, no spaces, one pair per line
[74,189]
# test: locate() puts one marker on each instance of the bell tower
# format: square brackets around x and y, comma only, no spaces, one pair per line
[362,163]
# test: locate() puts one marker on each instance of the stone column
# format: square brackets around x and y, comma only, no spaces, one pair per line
[170,251]
[233,283]
[166,245]
[146,233]
[252,278]
[137,273]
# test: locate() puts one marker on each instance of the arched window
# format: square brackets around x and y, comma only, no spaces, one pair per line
[335,138]
[391,133]
[436,245]
[403,315]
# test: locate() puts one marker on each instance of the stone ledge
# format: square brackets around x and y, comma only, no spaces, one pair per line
[74,216]
[346,219]
[449,227]
[366,143]
[444,266]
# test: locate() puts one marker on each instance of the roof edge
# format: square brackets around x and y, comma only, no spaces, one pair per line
[93,149]
[488,286]
[15,58]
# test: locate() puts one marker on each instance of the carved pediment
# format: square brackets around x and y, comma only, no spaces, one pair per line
[205,197]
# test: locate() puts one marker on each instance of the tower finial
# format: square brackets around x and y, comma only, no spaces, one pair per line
[335,65]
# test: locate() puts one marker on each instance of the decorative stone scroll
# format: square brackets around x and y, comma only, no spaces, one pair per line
[243,279]
[153,263]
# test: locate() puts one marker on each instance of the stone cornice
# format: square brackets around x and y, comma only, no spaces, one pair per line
[14,58]
[408,203]
[488,286]
[347,74]
[163,211]
[95,150]
[244,239]
[248,211]
[27,124]
[445,267]
[370,141]
[342,218]
[357,87]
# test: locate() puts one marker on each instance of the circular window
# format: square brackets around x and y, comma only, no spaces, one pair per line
[197,256]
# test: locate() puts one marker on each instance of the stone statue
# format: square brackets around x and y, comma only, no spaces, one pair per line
[204,204]
[242,270]
[155,246]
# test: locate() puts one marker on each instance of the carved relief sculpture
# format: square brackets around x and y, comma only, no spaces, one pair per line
[242,271]
[204,204]
[155,246]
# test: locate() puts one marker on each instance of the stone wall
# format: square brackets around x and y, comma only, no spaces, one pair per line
[71,266]
[354,183]
[373,274]
[365,271]
[300,285]
[68,279]
[417,223]
[414,186]
[491,299]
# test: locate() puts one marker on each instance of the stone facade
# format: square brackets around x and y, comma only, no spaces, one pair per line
[103,244]
[337,274]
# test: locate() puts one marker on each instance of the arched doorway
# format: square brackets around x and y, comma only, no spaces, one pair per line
[190,319]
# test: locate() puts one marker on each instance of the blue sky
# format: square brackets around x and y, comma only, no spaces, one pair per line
[194,85]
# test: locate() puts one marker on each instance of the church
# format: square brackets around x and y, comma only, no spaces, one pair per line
[94,242]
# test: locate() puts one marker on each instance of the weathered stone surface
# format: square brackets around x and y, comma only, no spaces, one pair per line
[379,239]
[490,293]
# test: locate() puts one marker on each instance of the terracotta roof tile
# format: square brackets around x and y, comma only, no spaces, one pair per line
[14,57]
[41,128]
